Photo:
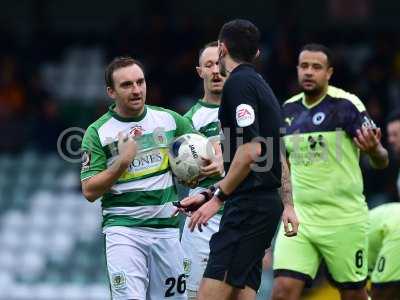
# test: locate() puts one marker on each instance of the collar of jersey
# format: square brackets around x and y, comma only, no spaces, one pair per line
[207,104]
[314,104]
[126,119]
[242,66]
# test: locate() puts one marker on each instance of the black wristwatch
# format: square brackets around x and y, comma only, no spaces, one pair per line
[219,193]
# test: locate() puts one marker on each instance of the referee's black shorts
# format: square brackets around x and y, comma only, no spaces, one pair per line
[247,227]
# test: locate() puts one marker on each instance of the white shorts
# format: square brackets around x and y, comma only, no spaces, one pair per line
[144,267]
[196,250]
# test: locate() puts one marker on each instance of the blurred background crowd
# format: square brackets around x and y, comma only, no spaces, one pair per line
[52,60]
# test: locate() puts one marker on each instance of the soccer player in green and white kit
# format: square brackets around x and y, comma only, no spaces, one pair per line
[384,251]
[204,117]
[125,162]
[326,128]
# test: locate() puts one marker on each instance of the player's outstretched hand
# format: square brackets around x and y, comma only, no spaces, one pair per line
[289,217]
[212,167]
[368,139]
[189,204]
[127,148]
[201,216]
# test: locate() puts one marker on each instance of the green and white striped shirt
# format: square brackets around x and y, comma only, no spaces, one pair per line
[143,194]
[204,118]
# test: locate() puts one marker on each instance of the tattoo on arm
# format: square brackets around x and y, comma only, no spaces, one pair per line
[286,189]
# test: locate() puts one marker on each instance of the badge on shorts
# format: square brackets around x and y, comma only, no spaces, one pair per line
[118,280]
[245,115]
[85,160]
[187,265]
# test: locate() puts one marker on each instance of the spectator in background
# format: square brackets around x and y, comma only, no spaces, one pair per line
[12,104]
[393,136]
[43,116]
[12,94]
[48,127]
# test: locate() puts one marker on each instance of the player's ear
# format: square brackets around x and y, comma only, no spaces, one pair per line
[199,72]
[222,50]
[110,92]
[257,54]
[330,72]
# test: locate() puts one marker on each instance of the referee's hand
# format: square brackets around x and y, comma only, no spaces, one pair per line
[289,217]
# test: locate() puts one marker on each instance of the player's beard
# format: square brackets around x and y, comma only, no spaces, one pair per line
[314,92]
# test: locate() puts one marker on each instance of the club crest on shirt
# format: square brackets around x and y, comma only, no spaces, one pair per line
[245,115]
[318,118]
[159,136]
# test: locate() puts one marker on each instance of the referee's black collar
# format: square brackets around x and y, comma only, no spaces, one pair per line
[243,66]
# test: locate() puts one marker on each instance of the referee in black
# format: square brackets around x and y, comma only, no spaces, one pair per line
[250,112]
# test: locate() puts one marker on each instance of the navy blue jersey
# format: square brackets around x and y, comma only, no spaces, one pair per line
[337,110]
[326,176]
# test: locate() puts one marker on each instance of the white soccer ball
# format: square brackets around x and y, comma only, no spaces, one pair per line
[185,154]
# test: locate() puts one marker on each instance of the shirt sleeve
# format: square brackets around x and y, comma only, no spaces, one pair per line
[183,125]
[189,115]
[94,158]
[356,117]
[242,107]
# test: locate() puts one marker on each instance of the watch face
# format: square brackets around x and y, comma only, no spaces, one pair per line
[220,194]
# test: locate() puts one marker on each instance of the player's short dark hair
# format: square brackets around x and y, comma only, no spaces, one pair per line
[241,38]
[393,116]
[208,45]
[314,47]
[118,63]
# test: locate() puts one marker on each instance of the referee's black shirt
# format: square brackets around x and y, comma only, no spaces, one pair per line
[250,110]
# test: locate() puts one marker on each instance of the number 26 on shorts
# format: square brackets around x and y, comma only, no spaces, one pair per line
[175,285]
